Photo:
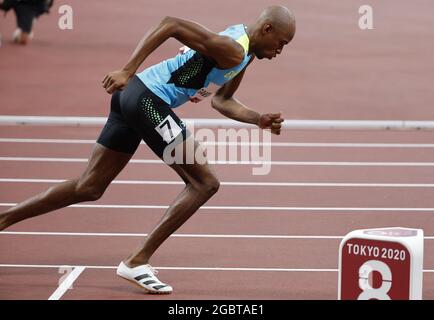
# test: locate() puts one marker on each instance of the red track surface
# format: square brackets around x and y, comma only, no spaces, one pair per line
[330,72]
[211,252]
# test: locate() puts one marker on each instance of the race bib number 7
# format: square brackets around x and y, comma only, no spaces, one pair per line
[168,129]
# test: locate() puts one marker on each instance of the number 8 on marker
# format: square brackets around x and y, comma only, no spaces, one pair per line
[365,272]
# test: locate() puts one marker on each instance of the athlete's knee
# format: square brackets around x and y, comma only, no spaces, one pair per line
[210,185]
[86,190]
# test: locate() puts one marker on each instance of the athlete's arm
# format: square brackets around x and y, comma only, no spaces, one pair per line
[225,103]
[225,51]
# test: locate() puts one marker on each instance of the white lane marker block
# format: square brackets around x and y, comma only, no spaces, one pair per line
[67,283]
[381,264]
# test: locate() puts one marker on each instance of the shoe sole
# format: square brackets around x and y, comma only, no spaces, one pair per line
[143,288]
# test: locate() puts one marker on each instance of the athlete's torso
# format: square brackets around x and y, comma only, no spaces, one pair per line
[192,76]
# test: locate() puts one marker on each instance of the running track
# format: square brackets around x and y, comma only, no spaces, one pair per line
[276,237]
[289,239]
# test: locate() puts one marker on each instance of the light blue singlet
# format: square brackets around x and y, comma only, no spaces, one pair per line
[192,76]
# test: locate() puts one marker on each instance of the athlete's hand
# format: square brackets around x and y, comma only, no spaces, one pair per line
[115,80]
[271,121]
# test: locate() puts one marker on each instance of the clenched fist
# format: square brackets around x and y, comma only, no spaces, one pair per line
[115,80]
[271,121]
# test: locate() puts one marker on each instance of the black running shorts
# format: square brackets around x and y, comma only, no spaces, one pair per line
[26,11]
[137,114]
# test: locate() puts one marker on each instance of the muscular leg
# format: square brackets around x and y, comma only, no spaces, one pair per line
[201,185]
[103,166]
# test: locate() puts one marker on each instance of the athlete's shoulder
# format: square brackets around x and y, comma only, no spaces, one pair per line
[238,33]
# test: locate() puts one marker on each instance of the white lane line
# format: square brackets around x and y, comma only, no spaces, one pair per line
[132,182]
[94,234]
[176,235]
[180,268]
[229,123]
[50,141]
[189,268]
[276,163]
[241,208]
[183,268]
[218,143]
[240,183]
[44,159]
[67,283]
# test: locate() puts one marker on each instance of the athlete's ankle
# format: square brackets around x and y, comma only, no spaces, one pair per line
[136,261]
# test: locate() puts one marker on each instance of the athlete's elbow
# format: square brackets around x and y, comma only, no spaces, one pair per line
[167,20]
[170,24]
[216,102]
[219,103]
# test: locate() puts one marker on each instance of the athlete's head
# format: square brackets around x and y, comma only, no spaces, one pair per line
[273,29]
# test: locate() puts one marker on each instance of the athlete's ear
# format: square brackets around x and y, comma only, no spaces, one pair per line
[267,28]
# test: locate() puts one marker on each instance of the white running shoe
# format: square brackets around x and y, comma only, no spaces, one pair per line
[144,277]
[16,36]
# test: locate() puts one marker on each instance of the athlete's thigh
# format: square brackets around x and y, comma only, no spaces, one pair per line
[194,165]
[151,117]
[117,134]
[104,165]
[164,132]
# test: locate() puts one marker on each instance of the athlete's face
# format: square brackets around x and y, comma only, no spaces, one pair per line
[273,41]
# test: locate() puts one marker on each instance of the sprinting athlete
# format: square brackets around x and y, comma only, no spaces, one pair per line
[26,12]
[142,109]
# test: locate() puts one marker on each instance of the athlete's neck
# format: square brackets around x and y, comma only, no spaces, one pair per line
[251,31]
